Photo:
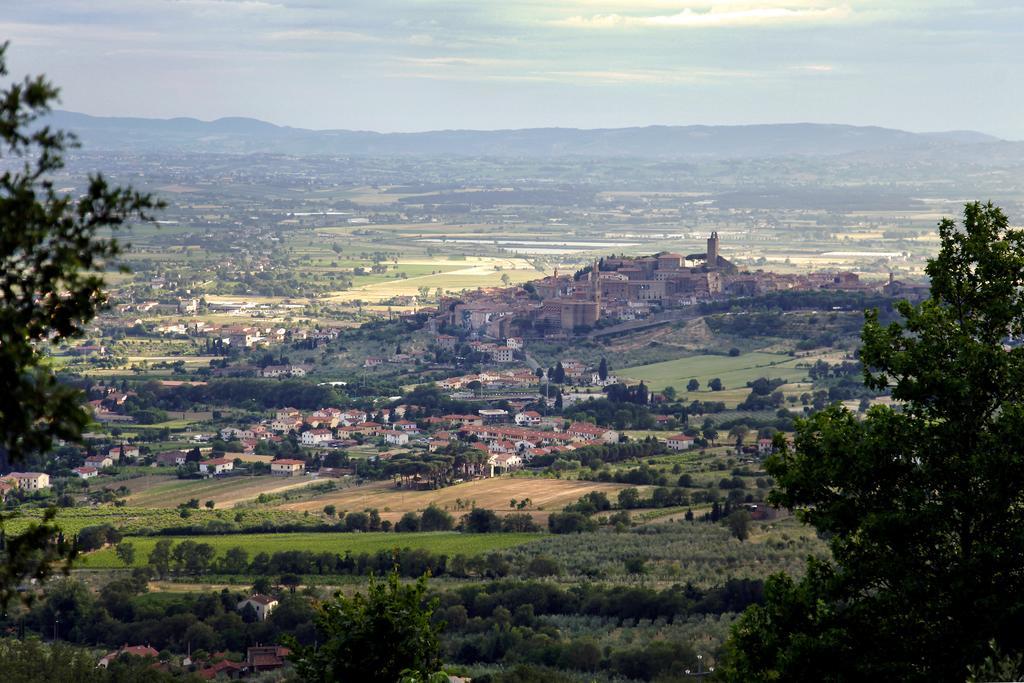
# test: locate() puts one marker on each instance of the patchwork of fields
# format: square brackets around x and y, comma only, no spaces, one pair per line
[495,494]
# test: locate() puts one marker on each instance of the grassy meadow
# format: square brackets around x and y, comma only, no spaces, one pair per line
[734,371]
[446,542]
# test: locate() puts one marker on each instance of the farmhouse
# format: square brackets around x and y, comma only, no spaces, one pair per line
[31,481]
[216,466]
[266,658]
[286,467]
[680,442]
[130,452]
[504,462]
[99,461]
[86,472]
[171,458]
[134,650]
[262,604]
[284,371]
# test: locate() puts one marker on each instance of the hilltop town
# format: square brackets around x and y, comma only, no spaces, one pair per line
[617,290]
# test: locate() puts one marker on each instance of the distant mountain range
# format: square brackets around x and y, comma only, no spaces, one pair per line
[245,136]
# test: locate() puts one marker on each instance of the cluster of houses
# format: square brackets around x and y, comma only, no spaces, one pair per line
[258,658]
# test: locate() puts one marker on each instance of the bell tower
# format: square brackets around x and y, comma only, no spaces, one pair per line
[711,259]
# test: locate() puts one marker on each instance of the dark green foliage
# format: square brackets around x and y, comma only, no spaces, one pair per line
[410,521]
[570,523]
[922,506]
[739,524]
[436,519]
[519,522]
[481,521]
[52,247]
[95,537]
[372,637]
[28,661]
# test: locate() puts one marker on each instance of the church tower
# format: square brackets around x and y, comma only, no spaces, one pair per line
[711,259]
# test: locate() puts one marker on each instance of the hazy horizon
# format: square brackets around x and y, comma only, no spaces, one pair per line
[553,127]
[403,66]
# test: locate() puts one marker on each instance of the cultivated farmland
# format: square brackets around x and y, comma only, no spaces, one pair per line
[734,371]
[446,542]
[495,494]
[224,492]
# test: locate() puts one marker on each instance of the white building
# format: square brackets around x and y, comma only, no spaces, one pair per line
[680,442]
[216,466]
[315,437]
[263,604]
[529,418]
[396,438]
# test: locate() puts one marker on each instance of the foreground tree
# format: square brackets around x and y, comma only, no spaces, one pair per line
[52,251]
[923,507]
[378,637]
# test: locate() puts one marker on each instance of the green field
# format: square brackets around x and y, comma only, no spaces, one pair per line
[447,542]
[734,371]
[131,520]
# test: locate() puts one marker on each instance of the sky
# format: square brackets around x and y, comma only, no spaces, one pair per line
[410,65]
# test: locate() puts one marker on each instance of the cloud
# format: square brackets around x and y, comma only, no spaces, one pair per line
[462,61]
[711,18]
[317,34]
[644,76]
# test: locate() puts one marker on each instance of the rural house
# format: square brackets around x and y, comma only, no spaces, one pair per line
[262,604]
[216,466]
[680,442]
[287,467]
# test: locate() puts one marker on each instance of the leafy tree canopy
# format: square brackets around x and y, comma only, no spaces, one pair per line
[380,636]
[922,505]
[53,250]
